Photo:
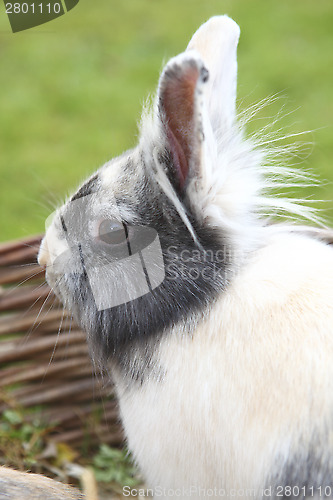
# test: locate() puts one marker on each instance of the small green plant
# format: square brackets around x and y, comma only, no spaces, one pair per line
[21,440]
[113,465]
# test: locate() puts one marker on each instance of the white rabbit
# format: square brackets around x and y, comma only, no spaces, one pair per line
[216,326]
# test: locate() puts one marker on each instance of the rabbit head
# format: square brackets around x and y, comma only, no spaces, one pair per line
[154,235]
[165,261]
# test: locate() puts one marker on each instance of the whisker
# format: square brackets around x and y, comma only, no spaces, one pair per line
[69,329]
[41,309]
[27,264]
[38,298]
[31,276]
[55,344]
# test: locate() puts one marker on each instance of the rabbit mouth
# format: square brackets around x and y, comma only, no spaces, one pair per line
[57,285]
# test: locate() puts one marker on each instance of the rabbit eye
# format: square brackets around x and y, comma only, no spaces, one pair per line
[112,232]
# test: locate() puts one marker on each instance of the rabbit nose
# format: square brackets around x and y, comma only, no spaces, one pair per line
[43,255]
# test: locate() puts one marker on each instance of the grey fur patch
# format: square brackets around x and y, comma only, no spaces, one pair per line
[307,474]
[193,279]
[87,188]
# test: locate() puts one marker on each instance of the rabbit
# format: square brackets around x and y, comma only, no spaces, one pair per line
[215,325]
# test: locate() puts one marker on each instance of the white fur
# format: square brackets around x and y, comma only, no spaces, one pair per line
[238,392]
[232,188]
[232,393]
[216,41]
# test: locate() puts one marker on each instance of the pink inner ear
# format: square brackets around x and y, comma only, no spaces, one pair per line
[178,101]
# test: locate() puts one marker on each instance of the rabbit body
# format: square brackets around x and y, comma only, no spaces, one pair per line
[245,400]
[222,362]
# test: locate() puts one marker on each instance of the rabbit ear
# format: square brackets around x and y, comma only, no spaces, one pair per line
[181,110]
[216,42]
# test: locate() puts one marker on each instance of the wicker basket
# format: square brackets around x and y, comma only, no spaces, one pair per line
[44,361]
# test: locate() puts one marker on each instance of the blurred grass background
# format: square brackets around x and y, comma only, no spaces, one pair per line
[72,89]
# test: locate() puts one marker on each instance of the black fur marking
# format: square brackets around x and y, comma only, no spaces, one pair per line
[193,279]
[128,243]
[87,188]
[204,74]
[63,225]
[82,260]
[165,159]
[305,475]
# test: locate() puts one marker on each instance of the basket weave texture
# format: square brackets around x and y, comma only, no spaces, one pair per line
[44,362]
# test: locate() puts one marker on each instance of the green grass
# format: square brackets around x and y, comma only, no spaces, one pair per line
[72,90]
